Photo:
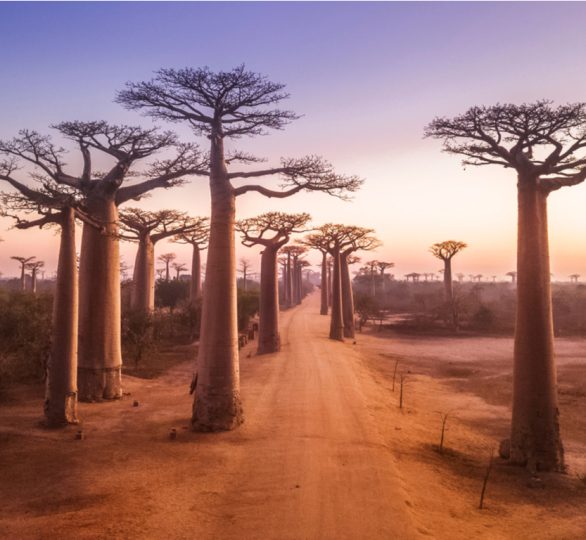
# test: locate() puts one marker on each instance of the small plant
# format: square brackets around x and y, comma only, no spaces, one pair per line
[485,481]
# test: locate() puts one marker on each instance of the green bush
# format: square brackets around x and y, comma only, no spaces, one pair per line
[25,336]
[248,305]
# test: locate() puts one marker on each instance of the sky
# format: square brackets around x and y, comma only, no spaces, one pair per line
[366,78]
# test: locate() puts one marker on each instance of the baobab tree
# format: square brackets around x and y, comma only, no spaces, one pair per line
[446,251]
[513,276]
[197,238]
[357,239]
[167,259]
[574,278]
[57,207]
[341,242]
[223,106]
[124,147]
[372,267]
[148,228]
[320,242]
[22,260]
[382,266]
[271,231]
[178,267]
[243,269]
[292,286]
[34,267]
[544,145]
[460,277]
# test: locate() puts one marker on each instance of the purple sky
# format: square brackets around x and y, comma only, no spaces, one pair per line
[366,76]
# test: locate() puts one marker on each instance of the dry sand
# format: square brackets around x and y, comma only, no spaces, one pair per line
[325,452]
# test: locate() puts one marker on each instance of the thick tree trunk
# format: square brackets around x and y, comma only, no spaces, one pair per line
[535,433]
[142,297]
[268,333]
[22,278]
[323,309]
[337,320]
[167,270]
[61,388]
[289,284]
[449,292]
[217,405]
[294,282]
[34,281]
[195,285]
[347,298]
[329,285]
[299,276]
[373,283]
[100,356]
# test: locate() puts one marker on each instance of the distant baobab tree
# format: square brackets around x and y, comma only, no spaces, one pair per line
[414,276]
[544,145]
[372,267]
[100,356]
[293,254]
[574,278]
[460,277]
[167,259]
[179,267]
[160,272]
[478,277]
[513,276]
[23,262]
[57,207]
[34,267]
[446,251]
[147,229]
[271,231]
[197,238]
[244,267]
[342,241]
[382,266]
[223,106]
[319,242]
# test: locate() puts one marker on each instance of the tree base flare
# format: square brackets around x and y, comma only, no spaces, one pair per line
[545,455]
[62,412]
[217,413]
[99,384]
[270,346]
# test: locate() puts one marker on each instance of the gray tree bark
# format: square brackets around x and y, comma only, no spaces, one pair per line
[217,405]
[535,433]
[61,385]
[100,355]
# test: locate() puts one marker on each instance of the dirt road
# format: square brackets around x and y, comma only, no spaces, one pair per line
[309,462]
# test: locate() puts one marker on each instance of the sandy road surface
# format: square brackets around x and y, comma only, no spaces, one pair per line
[309,462]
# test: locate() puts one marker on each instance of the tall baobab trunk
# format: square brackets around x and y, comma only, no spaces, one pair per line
[323,309]
[294,282]
[34,281]
[143,281]
[217,404]
[299,277]
[167,263]
[373,282]
[289,284]
[195,285]
[330,285]
[22,278]
[347,297]
[61,389]
[100,355]
[535,434]
[268,334]
[337,320]
[449,291]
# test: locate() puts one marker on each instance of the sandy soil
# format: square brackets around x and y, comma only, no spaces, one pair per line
[325,451]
